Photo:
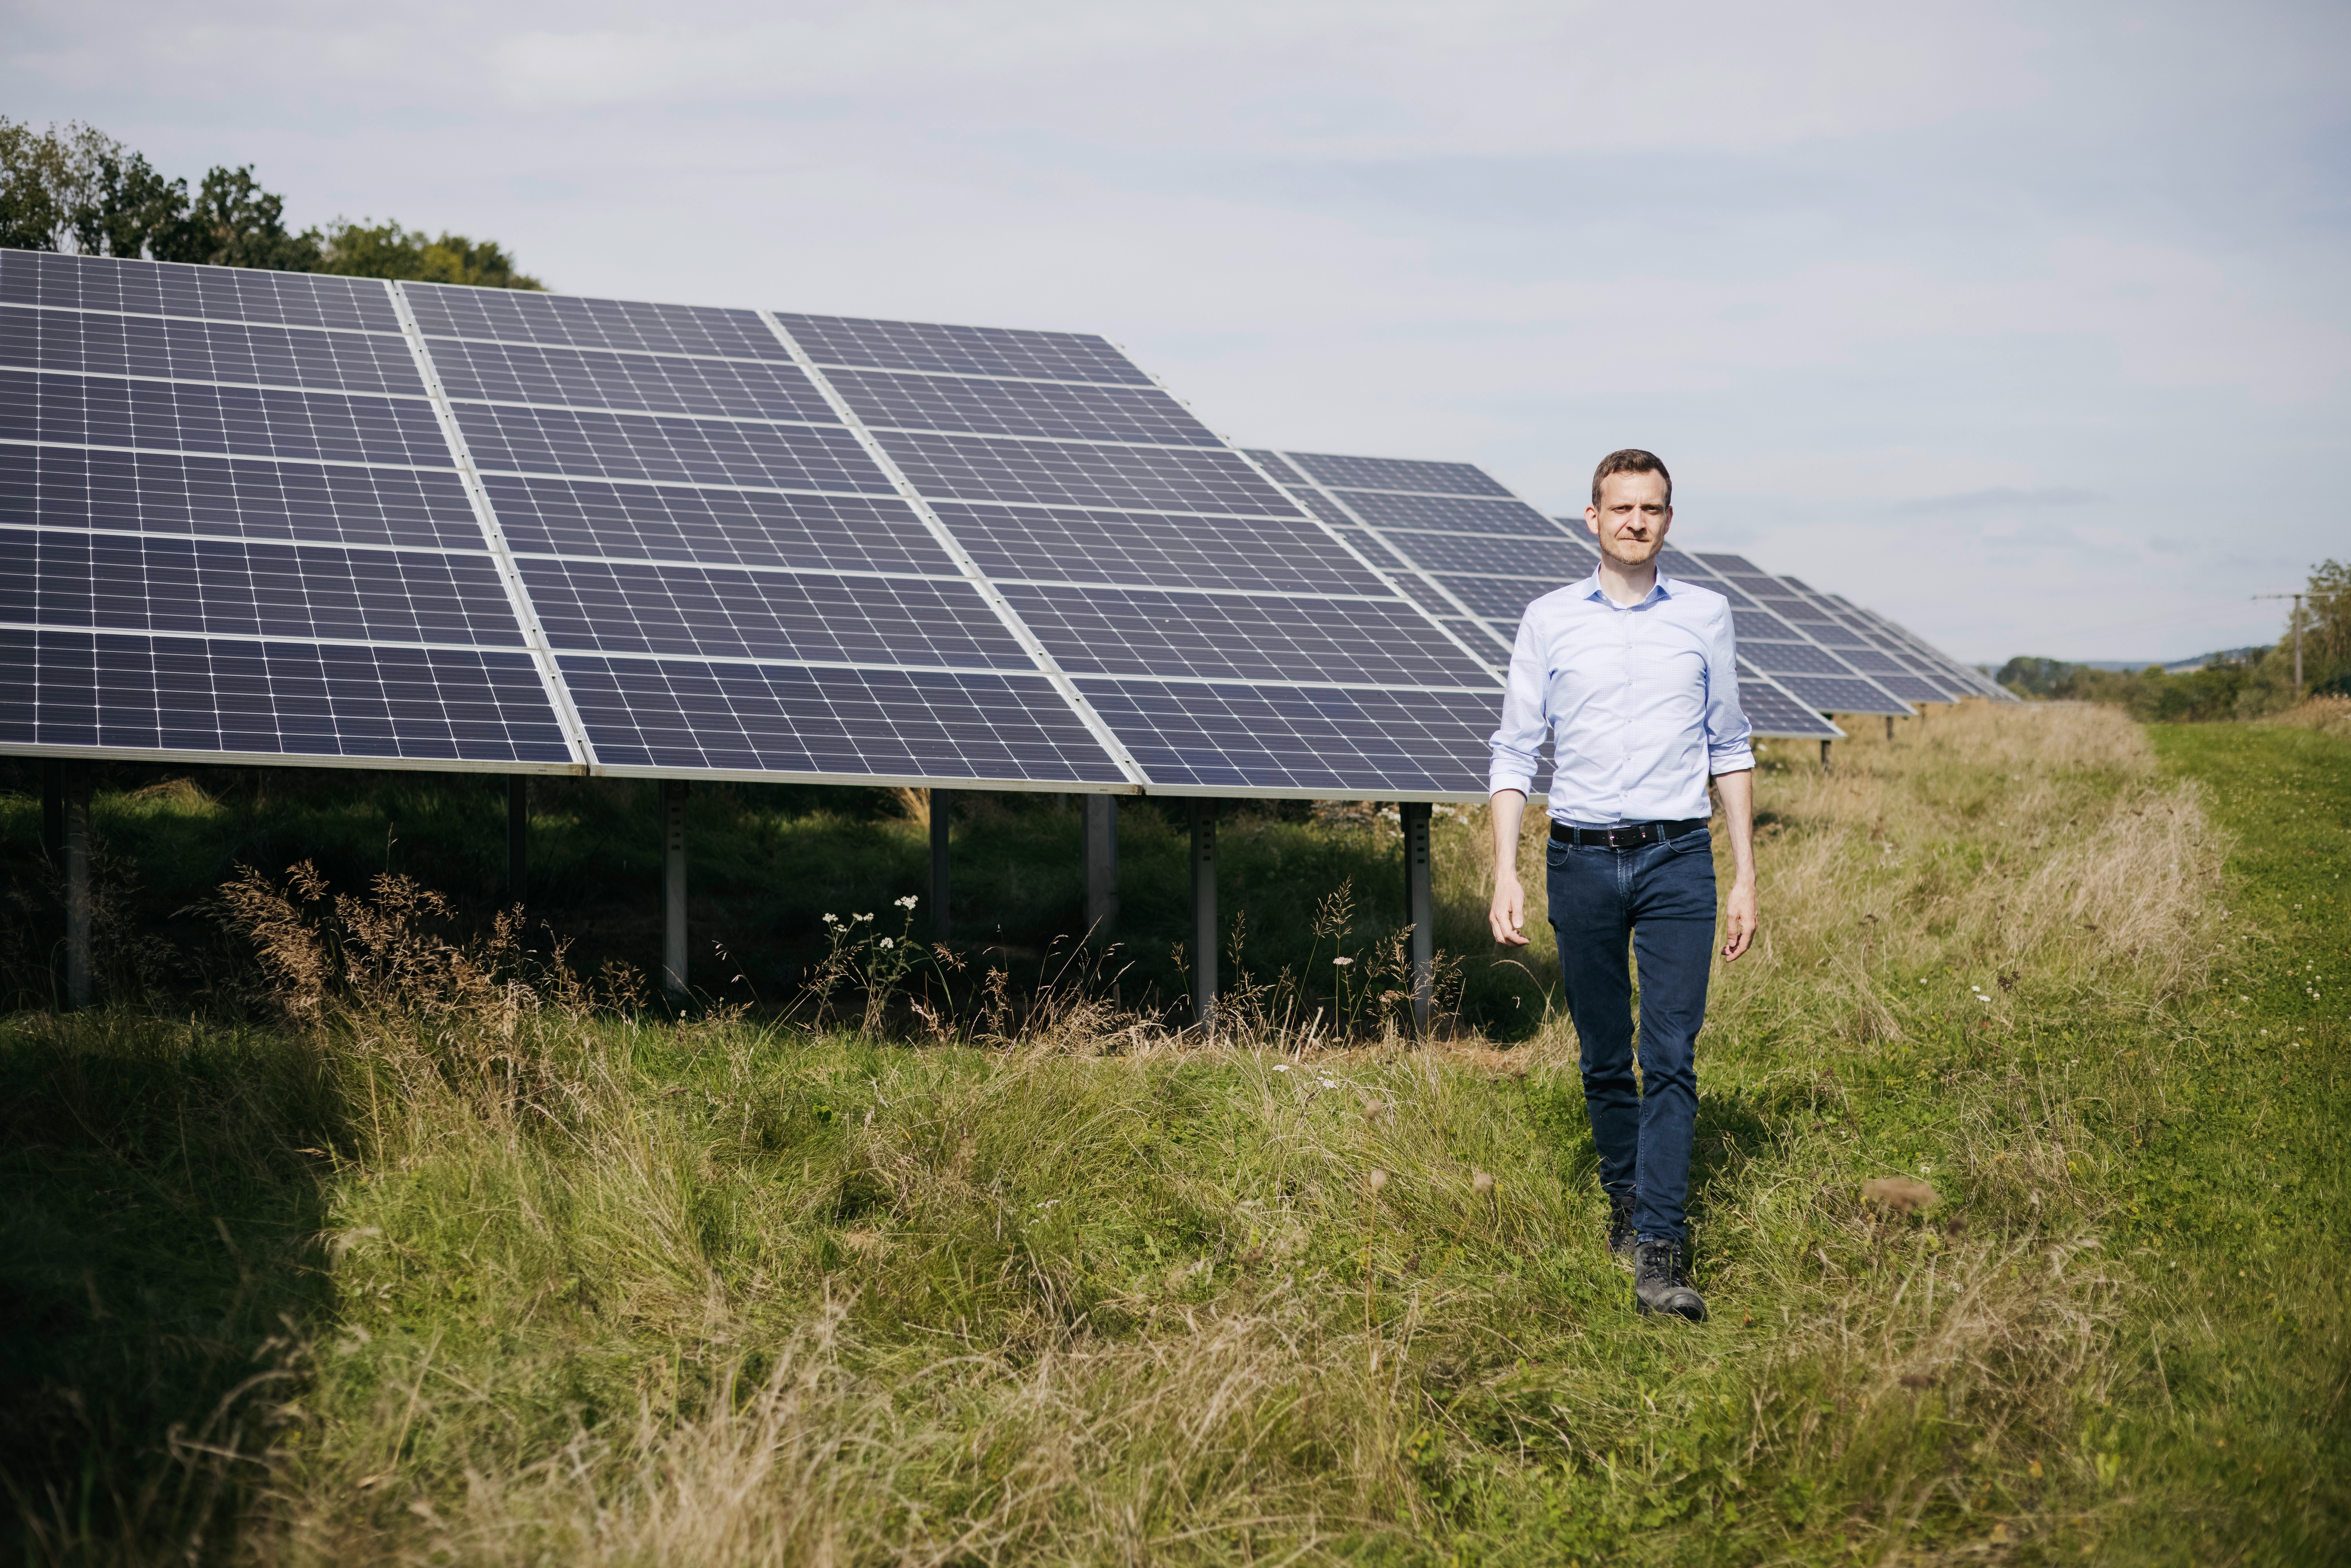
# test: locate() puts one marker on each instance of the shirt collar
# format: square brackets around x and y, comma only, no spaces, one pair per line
[1590,588]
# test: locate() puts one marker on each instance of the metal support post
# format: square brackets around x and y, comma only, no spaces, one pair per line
[518,836]
[1889,729]
[2297,599]
[2297,647]
[1101,833]
[77,870]
[53,808]
[1826,766]
[942,808]
[1418,909]
[674,889]
[1203,815]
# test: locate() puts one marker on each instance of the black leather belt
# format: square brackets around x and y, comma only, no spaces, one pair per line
[1630,835]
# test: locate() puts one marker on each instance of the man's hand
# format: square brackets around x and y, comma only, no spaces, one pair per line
[1739,912]
[1509,914]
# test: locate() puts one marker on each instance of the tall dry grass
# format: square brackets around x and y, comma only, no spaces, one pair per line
[2326,714]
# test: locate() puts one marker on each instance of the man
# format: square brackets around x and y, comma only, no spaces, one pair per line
[1629,674]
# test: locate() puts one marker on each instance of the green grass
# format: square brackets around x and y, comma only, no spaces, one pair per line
[719,1292]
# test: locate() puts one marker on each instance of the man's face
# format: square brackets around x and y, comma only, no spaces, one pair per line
[1631,520]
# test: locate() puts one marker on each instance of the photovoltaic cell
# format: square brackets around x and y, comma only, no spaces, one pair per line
[714,613]
[1324,508]
[1790,658]
[986,406]
[970,468]
[1774,712]
[249,422]
[655,383]
[1277,466]
[59,577]
[218,293]
[723,528]
[1391,474]
[162,493]
[1450,514]
[911,725]
[1152,550]
[1378,554]
[1497,598]
[514,316]
[1870,662]
[588,444]
[1759,626]
[189,694]
[1831,693]
[854,342]
[1555,562]
[90,343]
[1301,741]
[1911,688]
[1484,636]
[1125,632]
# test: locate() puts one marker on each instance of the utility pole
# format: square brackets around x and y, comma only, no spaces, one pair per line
[2297,599]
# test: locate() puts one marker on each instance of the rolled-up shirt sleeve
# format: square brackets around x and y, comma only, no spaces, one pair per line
[1728,744]
[1518,741]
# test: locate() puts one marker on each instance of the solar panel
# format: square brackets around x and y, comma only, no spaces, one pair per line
[1152,564]
[234,529]
[1771,710]
[748,592]
[1783,630]
[1393,474]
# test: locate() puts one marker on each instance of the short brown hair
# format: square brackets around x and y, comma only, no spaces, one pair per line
[1632,460]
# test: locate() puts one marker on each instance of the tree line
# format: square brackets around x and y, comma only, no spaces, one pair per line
[76,190]
[2258,682]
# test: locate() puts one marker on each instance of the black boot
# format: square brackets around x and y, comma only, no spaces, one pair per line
[1620,1230]
[1659,1284]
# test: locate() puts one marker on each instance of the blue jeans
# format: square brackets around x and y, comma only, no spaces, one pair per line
[1661,896]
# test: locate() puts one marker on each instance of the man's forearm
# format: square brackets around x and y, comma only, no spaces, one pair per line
[1738,792]
[1510,809]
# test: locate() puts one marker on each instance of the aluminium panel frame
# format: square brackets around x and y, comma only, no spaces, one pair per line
[558,694]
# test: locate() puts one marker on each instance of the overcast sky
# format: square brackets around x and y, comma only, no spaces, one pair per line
[2025,325]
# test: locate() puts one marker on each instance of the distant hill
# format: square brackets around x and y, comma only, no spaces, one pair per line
[2179,667]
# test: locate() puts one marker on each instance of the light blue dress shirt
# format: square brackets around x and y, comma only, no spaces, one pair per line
[1640,703]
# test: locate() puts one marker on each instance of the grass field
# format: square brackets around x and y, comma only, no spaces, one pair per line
[459,1278]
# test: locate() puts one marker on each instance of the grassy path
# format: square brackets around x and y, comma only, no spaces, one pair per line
[2247,1189]
[586,1290]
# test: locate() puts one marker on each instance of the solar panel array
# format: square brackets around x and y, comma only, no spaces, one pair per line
[331,520]
[1788,613]
[1779,633]
[339,521]
[1477,556]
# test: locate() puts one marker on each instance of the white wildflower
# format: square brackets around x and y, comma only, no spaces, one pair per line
[1342,962]
[908,901]
[887,944]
